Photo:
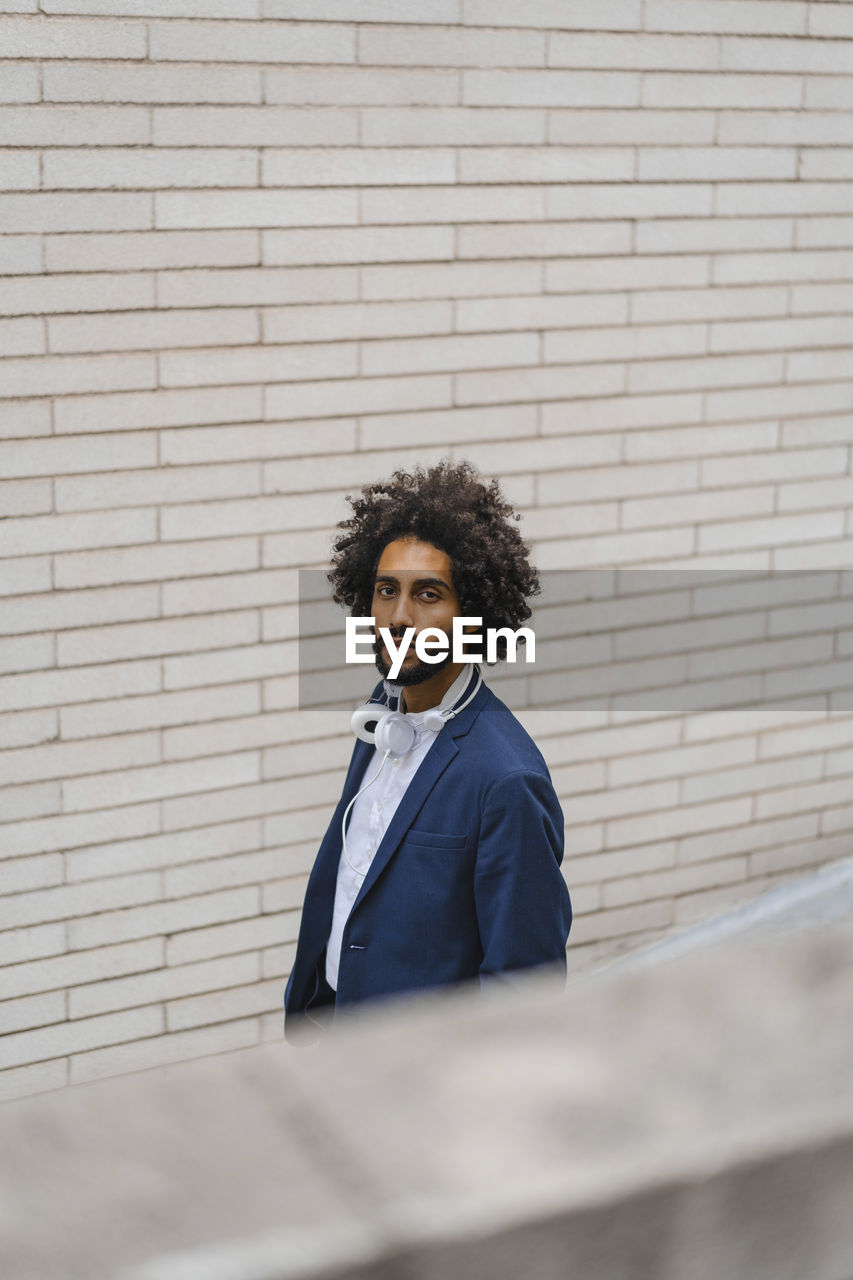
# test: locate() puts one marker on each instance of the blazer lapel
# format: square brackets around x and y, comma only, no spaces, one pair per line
[430,770]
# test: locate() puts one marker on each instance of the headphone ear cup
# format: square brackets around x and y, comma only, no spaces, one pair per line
[366,720]
[434,720]
[395,734]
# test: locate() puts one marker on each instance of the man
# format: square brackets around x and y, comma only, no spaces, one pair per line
[441,863]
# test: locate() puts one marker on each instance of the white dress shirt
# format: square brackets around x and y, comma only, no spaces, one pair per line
[372,813]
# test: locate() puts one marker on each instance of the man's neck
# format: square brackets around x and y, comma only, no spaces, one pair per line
[420,697]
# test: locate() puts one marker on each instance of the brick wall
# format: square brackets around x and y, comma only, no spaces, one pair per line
[257,252]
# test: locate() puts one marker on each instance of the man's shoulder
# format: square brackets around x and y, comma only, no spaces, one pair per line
[499,742]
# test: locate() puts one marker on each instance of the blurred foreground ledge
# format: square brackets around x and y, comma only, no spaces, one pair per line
[687,1120]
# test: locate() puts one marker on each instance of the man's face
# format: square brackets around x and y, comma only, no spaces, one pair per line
[413,587]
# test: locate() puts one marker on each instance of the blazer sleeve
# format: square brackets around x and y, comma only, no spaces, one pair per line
[524,911]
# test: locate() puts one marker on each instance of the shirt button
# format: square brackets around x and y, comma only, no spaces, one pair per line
[379,807]
[370,853]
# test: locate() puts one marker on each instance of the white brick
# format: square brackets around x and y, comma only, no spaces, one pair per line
[821,298]
[254,440]
[362,86]
[27,497]
[21,576]
[19,1082]
[678,822]
[546,312]
[147,250]
[263,730]
[637,50]
[155,782]
[258,364]
[21,255]
[20,83]
[620,412]
[714,235]
[713,371]
[619,921]
[92,966]
[137,922]
[816,431]
[281,894]
[232,591]
[772,402]
[19,171]
[436,11]
[785,197]
[163,984]
[783,334]
[677,90]
[825,232]
[25,874]
[66,375]
[551,89]
[347,166]
[825,164]
[453,280]
[23,420]
[553,383]
[453,126]
[358,320]
[105,211]
[770,532]
[18,946]
[631,128]
[53,126]
[753,836]
[223,1006]
[589,484]
[784,128]
[51,294]
[28,728]
[546,164]
[41,37]
[155,851]
[278,961]
[21,338]
[824,56]
[132,410]
[145,639]
[78,900]
[160,1050]
[693,164]
[448,204]
[670,305]
[600,274]
[359,395]
[696,442]
[449,47]
[41,534]
[315,475]
[783,17]
[253,127]
[257,515]
[357,245]
[570,522]
[152,330]
[68,1037]
[225,939]
[424,355]
[816,366]
[159,485]
[157,8]
[566,15]
[69,608]
[100,82]
[252,208]
[36,801]
[749,268]
[76,829]
[150,168]
[544,239]
[675,881]
[201,41]
[635,343]
[652,200]
[267,798]
[262,286]
[451,426]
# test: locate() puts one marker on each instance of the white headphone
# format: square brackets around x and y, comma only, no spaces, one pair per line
[392,731]
[394,734]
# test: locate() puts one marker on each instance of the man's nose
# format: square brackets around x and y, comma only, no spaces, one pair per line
[401,613]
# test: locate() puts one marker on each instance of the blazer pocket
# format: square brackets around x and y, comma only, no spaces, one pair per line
[434,839]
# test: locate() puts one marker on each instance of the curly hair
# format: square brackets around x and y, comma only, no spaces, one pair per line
[450,507]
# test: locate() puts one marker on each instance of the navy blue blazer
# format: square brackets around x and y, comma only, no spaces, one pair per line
[466,882]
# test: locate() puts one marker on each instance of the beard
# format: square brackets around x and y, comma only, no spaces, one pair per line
[416,673]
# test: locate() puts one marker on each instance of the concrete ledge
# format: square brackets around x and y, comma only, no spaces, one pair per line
[690,1122]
